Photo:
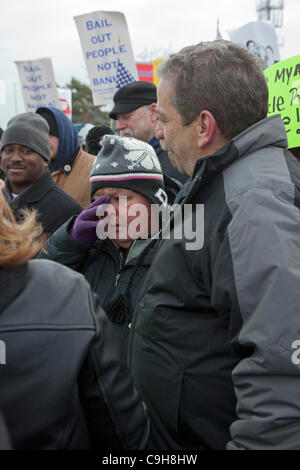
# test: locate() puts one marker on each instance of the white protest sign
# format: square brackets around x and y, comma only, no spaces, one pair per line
[65,100]
[38,83]
[107,50]
[260,38]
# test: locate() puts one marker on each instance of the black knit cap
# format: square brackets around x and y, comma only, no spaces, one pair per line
[94,136]
[28,129]
[50,118]
[132,96]
[128,163]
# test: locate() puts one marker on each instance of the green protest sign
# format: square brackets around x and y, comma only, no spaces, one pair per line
[284,96]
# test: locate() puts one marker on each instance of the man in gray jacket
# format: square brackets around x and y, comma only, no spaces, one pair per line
[214,347]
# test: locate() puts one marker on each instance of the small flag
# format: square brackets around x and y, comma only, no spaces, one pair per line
[123,75]
[145,72]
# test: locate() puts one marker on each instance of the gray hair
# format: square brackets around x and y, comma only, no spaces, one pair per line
[222,77]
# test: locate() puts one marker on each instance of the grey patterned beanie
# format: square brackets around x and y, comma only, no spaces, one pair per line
[124,162]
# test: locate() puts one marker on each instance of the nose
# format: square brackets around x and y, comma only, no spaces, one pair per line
[159,131]
[121,124]
[15,156]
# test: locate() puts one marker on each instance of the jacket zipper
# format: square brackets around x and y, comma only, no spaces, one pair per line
[118,265]
[117,278]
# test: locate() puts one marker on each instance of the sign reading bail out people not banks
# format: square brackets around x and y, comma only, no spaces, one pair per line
[107,50]
[38,83]
[283,81]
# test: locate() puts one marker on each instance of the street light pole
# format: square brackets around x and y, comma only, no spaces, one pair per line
[270,10]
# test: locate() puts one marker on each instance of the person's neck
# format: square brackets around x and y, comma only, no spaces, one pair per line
[208,150]
[18,188]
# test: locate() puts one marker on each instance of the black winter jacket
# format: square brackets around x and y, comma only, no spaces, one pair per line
[63,385]
[54,206]
[212,337]
[103,267]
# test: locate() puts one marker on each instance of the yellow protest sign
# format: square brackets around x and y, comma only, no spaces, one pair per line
[283,81]
[155,74]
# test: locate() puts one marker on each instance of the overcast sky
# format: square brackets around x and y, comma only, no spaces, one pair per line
[31,29]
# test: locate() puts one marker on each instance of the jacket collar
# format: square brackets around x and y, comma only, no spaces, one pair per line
[35,192]
[154,142]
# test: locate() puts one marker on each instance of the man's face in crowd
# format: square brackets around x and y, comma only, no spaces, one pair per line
[179,140]
[54,141]
[136,124]
[124,216]
[22,166]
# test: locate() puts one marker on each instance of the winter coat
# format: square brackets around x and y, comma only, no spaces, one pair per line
[211,339]
[5,443]
[54,206]
[104,268]
[74,177]
[63,385]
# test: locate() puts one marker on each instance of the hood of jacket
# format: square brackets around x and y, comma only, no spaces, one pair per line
[68,138]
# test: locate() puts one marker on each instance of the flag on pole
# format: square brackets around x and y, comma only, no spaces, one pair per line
[123,75]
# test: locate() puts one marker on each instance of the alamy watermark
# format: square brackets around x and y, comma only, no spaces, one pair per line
[296,354]
[2,353]
[164,222]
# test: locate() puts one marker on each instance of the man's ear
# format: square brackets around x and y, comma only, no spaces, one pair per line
[153,112]
[206,128]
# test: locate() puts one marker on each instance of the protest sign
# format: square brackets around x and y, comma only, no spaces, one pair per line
[107,52]
[260,38]
[38,83]
[65,100]
[283,81]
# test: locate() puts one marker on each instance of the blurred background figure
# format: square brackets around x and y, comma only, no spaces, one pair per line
[83,133]
[94,137]
[296,152]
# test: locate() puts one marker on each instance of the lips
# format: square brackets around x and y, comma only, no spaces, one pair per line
[15,170]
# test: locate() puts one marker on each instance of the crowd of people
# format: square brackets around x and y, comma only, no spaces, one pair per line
[119,332]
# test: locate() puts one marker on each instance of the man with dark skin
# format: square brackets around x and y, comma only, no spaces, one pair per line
[25,156]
